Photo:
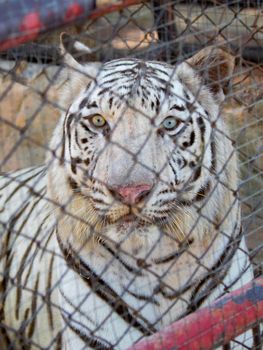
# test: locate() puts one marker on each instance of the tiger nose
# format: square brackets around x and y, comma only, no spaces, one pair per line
[131,194]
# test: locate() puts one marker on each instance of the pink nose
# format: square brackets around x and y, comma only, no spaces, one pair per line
[132,194]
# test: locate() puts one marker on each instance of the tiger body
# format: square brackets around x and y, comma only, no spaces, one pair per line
[85,266]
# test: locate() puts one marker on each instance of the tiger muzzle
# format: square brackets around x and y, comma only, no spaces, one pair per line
[131,194]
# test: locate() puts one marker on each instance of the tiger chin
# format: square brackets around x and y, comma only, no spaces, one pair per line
[142,203]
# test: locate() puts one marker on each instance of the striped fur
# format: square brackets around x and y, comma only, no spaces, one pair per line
[81,269]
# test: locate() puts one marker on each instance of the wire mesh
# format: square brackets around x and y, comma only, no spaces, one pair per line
[134,220]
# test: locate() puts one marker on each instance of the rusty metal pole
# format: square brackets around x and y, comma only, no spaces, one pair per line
[212,326]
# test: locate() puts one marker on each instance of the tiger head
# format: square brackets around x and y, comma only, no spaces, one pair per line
[142,143]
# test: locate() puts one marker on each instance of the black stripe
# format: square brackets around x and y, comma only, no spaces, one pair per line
[98,201]
[174,172]
[88,340]
[23,183]
[178,108]
[58,345]
[192,138]
[117,257]
[202,192]
[77,138]
[201,195]
[73,184]
[5,252]
[105,292]
[83,103]
[88,86]
[174,255]
[63,144]
[5,340]
[186,95]
[98,190]
[181,163]
[33,308]
[149,299]
[233,282]
[31,265]
[106,89]
[68,126]
[74,162]
[162,203]
[92,104]
[48,236]
[110,102]
[14,176]
[157,105]
[191,141]
[201,124]
[24,257]
[184,202]
[111,74]
[190,107]
[121,74]
[157,69]
[162,81]
[125,87]
[86,128]
[49,291]
[213,156]
[175,293]
[24,341]
[211,276]
[196,173]
[76,308]
[215,276]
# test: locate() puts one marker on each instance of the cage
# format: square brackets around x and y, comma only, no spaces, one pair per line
[157,98]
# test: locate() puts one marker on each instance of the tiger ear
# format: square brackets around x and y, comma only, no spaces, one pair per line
[79,70]
[76,56]
[215,67]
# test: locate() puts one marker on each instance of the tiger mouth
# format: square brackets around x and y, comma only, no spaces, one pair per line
[135,220]
[128,218]
[131,220]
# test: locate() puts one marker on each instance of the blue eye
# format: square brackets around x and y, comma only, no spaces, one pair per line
[170,123]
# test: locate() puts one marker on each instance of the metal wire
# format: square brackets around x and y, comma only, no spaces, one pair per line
[33,86]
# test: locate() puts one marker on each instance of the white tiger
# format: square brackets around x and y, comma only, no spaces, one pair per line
[134,221]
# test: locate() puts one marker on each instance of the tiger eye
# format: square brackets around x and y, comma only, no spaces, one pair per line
[98,121]
[169,123]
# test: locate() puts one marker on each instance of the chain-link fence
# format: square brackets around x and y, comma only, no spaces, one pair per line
[134,222]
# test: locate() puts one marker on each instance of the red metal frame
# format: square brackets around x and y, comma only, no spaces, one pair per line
[22,23]
[114,7]
[212,326]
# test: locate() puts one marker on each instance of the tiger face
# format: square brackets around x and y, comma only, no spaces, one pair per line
[139,142]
